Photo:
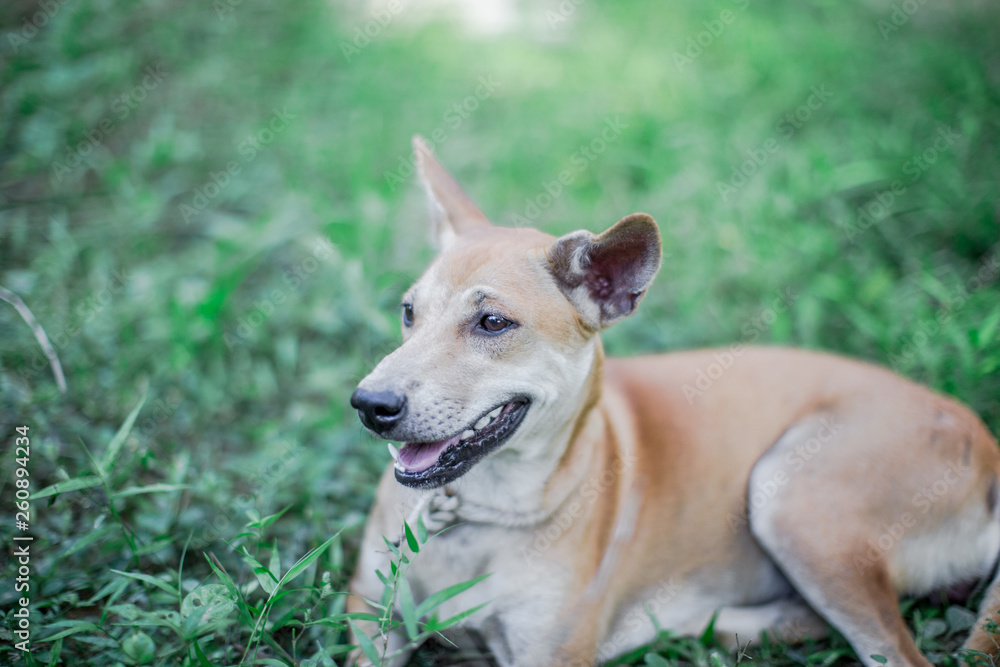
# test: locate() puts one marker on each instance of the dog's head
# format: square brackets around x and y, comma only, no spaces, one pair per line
[499,334]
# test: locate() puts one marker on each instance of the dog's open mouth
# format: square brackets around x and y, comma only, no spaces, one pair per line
[430,464]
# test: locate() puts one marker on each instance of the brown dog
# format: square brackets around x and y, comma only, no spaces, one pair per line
[799,489]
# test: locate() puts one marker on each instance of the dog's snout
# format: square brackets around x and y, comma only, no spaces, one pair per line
[379,410]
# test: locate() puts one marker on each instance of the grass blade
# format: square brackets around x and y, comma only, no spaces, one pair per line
[85,482]
[115,446]
[988,329]
[366,644]
[267,581]
[202,658]
[79,626]
[411,539]
[442,596]
[152,488]
[406,607]
[457,618]
[153,581]
[307,560]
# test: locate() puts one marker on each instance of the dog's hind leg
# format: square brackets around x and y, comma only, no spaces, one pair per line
[861,604]
[837,504]
[985,636]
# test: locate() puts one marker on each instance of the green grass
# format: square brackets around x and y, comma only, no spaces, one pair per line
[245,322]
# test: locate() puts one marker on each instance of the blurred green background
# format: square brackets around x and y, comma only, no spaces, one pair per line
[210,206]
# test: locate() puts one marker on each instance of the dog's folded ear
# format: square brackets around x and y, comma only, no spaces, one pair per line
[606,275]
[452,212]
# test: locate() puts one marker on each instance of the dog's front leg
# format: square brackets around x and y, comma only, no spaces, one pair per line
[581,650]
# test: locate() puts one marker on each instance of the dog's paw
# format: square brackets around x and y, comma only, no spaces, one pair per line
[442,511]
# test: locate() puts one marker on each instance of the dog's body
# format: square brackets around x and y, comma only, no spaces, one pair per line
[600,492]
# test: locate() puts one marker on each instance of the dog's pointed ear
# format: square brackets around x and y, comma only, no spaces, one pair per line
[452,212]
[606,275]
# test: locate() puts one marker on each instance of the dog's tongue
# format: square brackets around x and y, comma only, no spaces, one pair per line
[418,456]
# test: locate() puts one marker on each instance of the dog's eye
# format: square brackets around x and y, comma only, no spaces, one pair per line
[494,323]
[407,314]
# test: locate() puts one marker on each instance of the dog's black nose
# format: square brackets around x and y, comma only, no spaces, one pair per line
[379,410]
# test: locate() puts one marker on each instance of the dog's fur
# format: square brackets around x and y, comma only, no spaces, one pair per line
[801,488]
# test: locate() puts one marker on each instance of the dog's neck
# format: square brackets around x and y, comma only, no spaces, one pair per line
[525,486]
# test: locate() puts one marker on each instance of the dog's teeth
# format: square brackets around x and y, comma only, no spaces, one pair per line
[467,434]
[393,451]
[496,413]
[482,422]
